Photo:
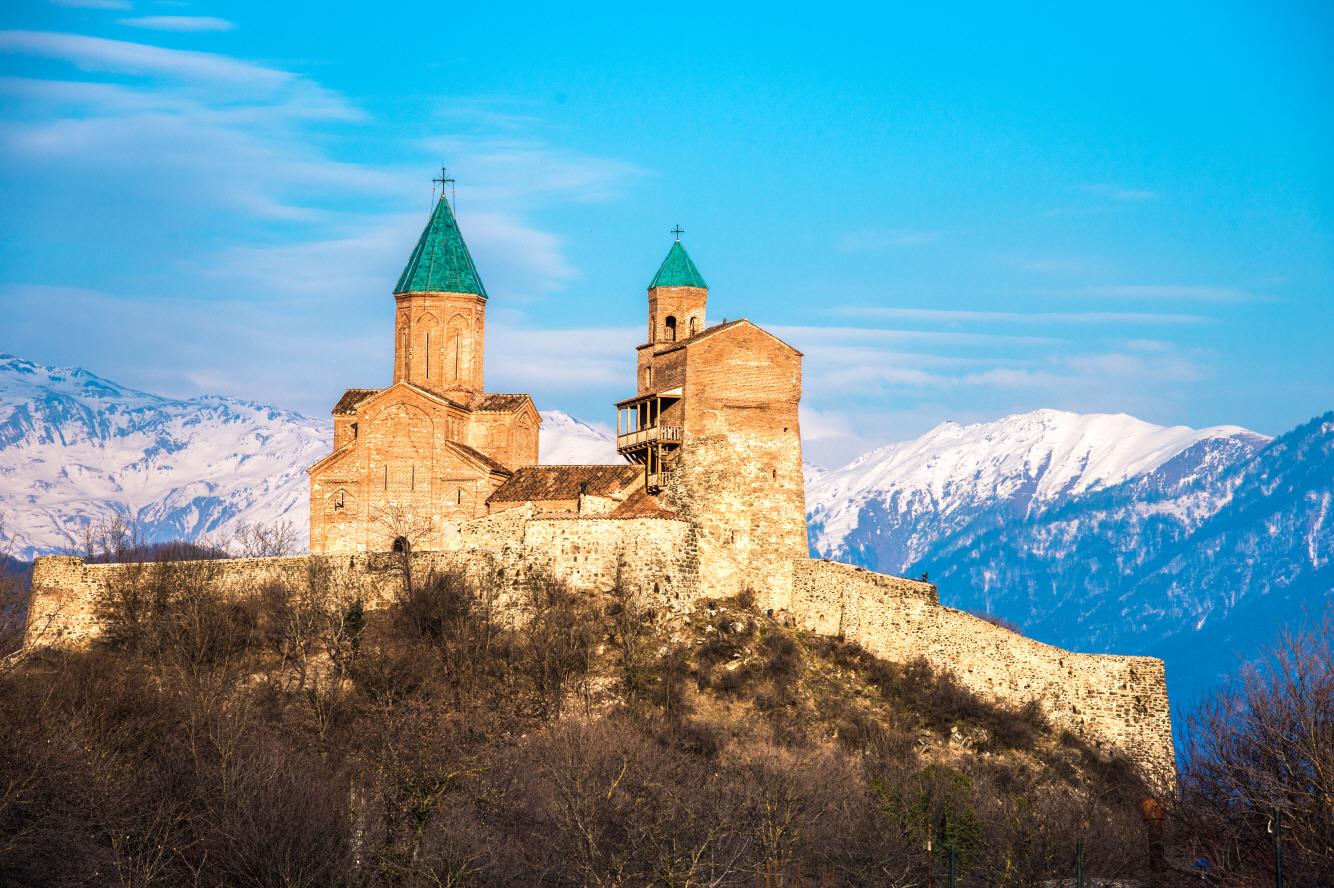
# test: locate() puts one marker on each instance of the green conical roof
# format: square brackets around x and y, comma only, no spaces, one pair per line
[441,261]
[677,270]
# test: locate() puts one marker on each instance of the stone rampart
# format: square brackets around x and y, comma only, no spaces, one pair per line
[1119,702]
[652,554]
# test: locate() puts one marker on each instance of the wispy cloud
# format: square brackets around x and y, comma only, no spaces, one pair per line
[1175,292]
[876,240]
[93,4]
[964,316]
[179,23]
[122,56]
[1117,192]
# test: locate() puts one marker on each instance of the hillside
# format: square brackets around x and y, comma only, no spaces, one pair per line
[294,738]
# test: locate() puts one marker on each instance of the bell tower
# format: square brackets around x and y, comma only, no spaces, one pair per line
[440,317]
[677,297]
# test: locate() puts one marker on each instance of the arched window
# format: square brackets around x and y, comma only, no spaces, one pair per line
[694,325]
[648,377]
[340,500]
[671,328]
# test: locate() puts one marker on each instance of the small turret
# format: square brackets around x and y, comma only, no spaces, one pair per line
[677,297]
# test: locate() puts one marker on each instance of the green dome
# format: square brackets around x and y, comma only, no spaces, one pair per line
[441,262]
[677,270]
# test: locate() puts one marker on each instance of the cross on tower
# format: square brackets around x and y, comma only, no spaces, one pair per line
[443,180]
[678,231]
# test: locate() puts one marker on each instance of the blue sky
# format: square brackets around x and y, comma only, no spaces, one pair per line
[956,213]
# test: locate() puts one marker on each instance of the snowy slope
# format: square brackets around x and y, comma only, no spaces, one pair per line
[1023,462]
[566,441]
[76,448]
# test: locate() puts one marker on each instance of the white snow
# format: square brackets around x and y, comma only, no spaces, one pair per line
[76,448]
[1040,455]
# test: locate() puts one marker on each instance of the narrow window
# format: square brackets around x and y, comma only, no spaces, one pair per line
[386,476]
[428,355]
[457,357]
[339,502]
[694,325]
[412,483]
[458,497]
[671,328]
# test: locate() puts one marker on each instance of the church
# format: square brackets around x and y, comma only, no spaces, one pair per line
[710,436]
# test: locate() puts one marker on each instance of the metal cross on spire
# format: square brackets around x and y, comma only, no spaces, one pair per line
[678,231]
[442,182]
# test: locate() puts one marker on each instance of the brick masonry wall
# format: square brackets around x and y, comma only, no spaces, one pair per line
[739,474]
[1120,702]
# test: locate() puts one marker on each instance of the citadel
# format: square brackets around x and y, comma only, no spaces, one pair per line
[709,503]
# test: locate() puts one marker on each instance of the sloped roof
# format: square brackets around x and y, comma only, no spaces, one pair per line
[351,398]
[720,328]
[641,505]
[441,261]
[499,403]
[481,457]
[678,270]
[538,483]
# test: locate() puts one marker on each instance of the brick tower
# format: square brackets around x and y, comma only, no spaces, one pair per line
[411,461]
[714,423]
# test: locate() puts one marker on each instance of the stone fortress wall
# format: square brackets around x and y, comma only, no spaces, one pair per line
[1119,702]
[1113,700]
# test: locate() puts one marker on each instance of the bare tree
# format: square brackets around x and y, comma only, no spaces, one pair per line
[115,539]
[263,540]
[405,531]
[1261,746]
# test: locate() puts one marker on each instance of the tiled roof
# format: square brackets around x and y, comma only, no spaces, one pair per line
[351,398]
[539,483]
[499,403]
[440,261]
[677,270]
[482,457]
[640,505]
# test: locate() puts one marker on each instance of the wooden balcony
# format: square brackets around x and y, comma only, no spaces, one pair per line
[651,435]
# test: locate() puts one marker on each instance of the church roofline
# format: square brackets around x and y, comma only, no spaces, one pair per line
[678,270]
[440,263]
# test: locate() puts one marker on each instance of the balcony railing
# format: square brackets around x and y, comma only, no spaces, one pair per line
[662,434]
[657,480]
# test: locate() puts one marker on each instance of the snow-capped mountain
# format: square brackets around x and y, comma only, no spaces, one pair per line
[1102,533]
[566,441]
[76,448]
[888,507]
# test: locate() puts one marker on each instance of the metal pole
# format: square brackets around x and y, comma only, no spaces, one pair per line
[1079,864]
[951,866]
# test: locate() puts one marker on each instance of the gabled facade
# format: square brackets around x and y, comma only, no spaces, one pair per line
[411,461]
